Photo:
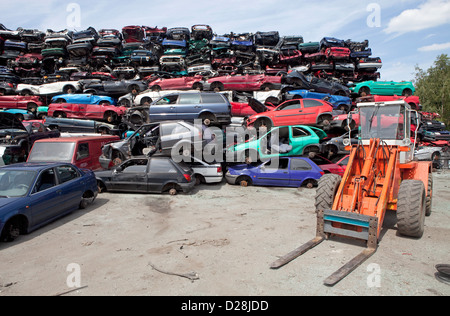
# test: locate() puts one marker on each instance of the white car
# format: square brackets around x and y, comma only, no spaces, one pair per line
[206,173]
[60,87]
[431,153]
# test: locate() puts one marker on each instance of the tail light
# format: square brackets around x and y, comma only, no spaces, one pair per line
[187,177]
[322,173]
[219,169]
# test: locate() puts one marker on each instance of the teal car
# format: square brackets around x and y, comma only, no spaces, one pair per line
[405,88]
[281,141]
[41,112]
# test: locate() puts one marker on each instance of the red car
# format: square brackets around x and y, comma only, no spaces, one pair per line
[412,100]
[108,113]
[337,53]
[244,109]
[292,112]
[245,82]
[30,103]
[330,167]
[182,83]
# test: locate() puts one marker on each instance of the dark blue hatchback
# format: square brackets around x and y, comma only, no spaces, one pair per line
[34,194]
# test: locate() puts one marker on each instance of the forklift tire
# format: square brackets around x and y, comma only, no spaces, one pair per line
[327,187]
[429,194]
[411,208]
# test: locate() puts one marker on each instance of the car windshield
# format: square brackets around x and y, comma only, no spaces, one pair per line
[15,183]
[385,122]
[52,152]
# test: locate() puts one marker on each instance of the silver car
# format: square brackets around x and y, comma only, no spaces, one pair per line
[432,153]
[205,172]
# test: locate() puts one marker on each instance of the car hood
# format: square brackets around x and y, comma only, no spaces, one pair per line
[257,106]
[5,202]
[103,174]
[10,121]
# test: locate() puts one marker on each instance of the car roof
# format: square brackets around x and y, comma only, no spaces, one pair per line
[75,139]
[33,166]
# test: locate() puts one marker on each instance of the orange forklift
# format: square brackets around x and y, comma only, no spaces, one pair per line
[381,175]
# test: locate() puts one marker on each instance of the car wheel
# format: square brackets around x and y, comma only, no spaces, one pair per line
[197,86]
[11,230]
[244,181]
[69,90]
[217,86]
[407,92]
[364,91]
[156,88]
[32,107]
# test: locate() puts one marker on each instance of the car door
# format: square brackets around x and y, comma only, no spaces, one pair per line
[289,113]
[275,172]
[71,186]
[310,110]
[164,108]
[189,106]
[299,170]
[161,171]
[131,176]
[46,198]
[298,139]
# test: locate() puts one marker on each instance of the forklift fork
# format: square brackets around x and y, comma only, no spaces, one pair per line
[368,226]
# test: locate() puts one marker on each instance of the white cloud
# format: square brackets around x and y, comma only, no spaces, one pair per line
[434,47]
[430,14]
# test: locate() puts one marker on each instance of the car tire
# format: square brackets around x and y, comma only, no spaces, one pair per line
[364,91]
[411,208]
[244,181]
[407,92]
[11,230]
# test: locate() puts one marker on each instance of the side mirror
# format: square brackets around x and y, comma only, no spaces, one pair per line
[118,169]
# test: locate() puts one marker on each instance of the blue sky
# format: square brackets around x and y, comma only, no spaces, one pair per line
[403,33]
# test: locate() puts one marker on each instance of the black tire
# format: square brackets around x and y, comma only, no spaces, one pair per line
[146,100]
[411,208]
[429,195]
[407,92]
[244,181]
[364,90]
[66,90]
[197,86]
[263,122]
[32,107]
[217,86]
[11,230]
[156,88]
[326,190]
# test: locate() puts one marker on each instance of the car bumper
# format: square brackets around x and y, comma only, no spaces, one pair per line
[213,179]
[187,187]
[231,179]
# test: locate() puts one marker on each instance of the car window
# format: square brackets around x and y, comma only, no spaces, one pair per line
[290,105]
[52,151]
[162,166]
[308,103]
[135,166]
[300,165]
[83,151]
[173,128]
[344,162]
[170,99]
[191,98]
[46,180]
[212,98]
[299,132]
[67,173]
[282,163]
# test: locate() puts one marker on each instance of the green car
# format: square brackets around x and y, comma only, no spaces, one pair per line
[405,88]
[41,112]
[280,141]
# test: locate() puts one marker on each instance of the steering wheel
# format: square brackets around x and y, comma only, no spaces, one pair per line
[23,187]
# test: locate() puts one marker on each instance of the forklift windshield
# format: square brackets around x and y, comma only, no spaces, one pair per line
[386,122]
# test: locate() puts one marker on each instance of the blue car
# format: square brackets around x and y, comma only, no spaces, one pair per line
[34,194]
[283,172]
[337,101]
[84,98]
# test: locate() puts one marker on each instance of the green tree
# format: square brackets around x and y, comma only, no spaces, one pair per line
[433,87]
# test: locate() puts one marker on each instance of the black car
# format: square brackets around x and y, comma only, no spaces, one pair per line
[157,174]
[114,88]
[82,126]
[297,80]
[16,140]
[335,146]
[170,138]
